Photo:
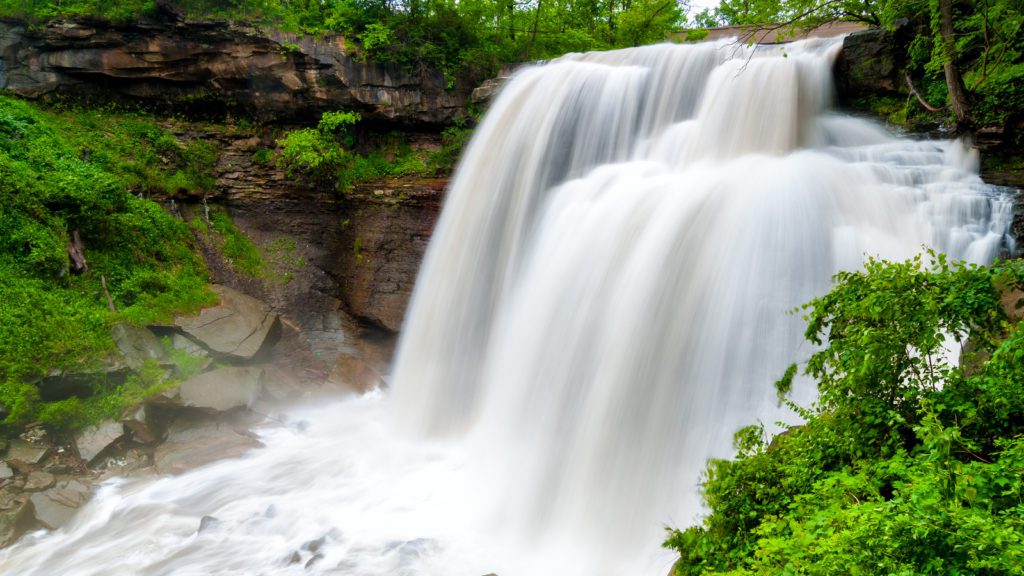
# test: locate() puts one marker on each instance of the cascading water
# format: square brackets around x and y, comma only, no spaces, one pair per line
[603,304]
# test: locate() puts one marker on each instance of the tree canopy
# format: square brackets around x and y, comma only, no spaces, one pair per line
[907,464]
[458,37]
[967,57]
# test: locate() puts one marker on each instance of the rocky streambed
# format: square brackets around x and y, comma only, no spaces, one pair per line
[241,365]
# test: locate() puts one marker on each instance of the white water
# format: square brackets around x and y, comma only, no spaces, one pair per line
[602,306]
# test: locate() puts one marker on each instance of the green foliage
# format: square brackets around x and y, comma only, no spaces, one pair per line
[326,154]
[119,12]
[69,173]
[318,153]
[237,248]
[454,140]
[906,464]
[986,47]
[467,40]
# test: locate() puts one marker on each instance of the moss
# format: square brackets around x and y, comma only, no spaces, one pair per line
[240,252]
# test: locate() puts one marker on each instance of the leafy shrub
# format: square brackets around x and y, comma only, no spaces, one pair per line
[78,173]
[317,153]
[906,464]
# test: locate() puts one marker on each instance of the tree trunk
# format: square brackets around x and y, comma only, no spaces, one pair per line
[959,97]
[536,23]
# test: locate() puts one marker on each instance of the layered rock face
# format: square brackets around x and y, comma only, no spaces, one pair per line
[266,75]
[358,251]
[383,238]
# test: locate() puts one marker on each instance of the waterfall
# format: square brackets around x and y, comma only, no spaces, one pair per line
[605,301]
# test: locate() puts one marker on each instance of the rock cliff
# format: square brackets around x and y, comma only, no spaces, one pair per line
[217,66]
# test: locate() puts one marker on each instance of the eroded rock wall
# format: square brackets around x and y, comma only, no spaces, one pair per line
[267,75]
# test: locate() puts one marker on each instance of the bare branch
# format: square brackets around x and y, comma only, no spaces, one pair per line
[916,94]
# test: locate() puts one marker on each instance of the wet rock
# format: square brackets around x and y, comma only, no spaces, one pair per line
[16,518]
[238,326]
[25,452]
[1012,300]
[38,480]
[181,342]
[869,65]
[191,444]
[137,345]
[222,389]
[207,523]
[56,506]
[352,373]
[486,92]
[138,424]
[280,385]
[314,546]
[133,462]
[389,227]
[92,441]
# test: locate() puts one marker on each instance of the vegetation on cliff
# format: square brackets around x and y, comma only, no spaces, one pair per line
[907,463]
[328,154]
[82,249]
[465,38]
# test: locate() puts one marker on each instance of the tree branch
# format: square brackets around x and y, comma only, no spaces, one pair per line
[916,94]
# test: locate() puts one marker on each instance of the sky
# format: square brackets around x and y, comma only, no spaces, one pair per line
[697,5]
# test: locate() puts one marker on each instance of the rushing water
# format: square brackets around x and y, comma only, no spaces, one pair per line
[603,304]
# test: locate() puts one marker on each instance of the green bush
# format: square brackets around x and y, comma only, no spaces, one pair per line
[906,464]
[83,172]
[318,153]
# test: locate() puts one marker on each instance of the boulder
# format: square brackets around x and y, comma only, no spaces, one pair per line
[6,472]
[238,326]
[139,425]
[26,452]
[182,343]
[137,345]
[222,389]
[488,90]
[1012,300]
[280,385]
[38,480]
[94,440]
[15,519]
[352,373]
[870,65]
[191,444]
[56,506]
